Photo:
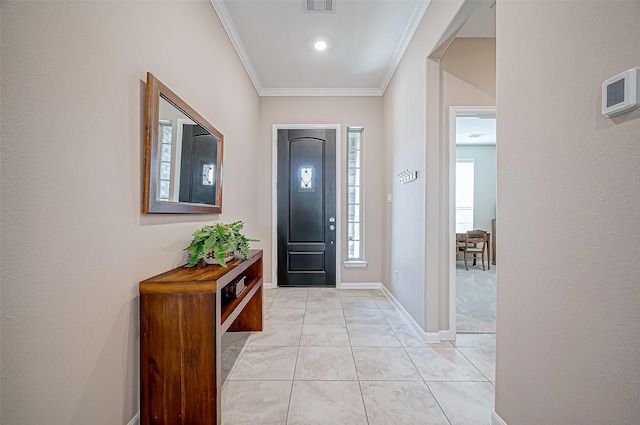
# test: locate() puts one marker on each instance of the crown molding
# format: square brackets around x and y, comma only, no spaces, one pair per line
[321,92]
[227,23]
[410,30]
[230,28]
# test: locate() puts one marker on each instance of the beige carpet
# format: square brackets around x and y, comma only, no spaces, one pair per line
[476,299]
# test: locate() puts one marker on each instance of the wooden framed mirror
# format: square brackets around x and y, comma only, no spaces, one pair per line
[182,156]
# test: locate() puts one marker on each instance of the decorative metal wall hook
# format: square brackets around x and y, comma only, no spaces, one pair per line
[407,176]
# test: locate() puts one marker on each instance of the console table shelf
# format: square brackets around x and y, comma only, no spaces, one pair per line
[183,315]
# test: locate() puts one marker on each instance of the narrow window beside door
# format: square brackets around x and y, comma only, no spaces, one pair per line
[166,133]
[355,230]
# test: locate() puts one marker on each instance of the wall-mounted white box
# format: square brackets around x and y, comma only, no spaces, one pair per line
[621,93]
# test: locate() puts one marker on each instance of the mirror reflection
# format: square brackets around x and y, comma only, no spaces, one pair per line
[187,160]
[182,156]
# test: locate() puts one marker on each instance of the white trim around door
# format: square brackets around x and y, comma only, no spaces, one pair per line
[274,195]
[455,112]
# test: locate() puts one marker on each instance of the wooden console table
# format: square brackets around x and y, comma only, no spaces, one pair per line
[183,316]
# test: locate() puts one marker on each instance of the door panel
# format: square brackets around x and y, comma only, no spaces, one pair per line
[306,261]
[306,207]
[203,186]
[306,195]
[197,170]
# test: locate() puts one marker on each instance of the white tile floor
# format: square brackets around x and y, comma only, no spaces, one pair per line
[343,357]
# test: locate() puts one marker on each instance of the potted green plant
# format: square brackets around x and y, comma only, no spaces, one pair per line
[218,242]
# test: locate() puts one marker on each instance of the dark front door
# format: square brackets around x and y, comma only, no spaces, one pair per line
[197,168]
[306,207]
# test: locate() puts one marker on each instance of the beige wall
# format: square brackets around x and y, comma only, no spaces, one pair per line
[74,244]
[412,219]
[568,182]
[467,78]
[347,111]
[1,136]
[468,72]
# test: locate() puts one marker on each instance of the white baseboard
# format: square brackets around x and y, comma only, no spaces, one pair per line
[496,420]
[448,335]
[432,337]
[361,285]
[135,420]
[427,337]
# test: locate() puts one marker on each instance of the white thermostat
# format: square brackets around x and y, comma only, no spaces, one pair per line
[621,93]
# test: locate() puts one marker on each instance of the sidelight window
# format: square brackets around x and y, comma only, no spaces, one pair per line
[355,245]
[165,131]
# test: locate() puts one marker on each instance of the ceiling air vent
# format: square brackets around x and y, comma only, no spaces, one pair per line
[318,6]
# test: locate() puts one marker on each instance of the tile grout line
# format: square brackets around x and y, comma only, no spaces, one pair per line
[355,366]
[235,364]
[358,378]
[436,400]
[423,380]
[473,364]
[364,405]
[286,419]
[295,367]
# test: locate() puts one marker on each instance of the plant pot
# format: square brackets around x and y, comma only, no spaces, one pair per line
[210,259]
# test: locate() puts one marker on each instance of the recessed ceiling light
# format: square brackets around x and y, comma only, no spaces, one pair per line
[320,45]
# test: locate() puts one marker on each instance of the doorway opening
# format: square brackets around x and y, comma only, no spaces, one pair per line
[306,207]
[472,189]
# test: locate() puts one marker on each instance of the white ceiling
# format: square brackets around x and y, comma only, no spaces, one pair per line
[366,40]
[475,131]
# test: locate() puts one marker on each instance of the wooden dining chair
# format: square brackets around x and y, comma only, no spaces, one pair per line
[475,242]
[460,245]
